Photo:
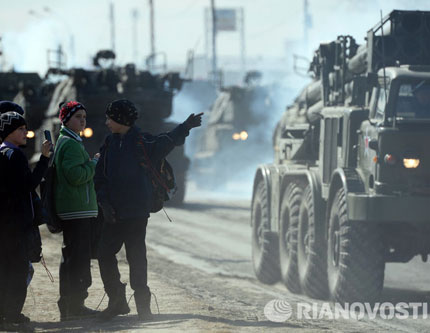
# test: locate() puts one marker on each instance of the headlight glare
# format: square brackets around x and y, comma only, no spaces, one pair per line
[411,163]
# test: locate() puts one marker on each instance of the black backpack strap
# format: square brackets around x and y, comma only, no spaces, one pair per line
[146,162]
[105,148]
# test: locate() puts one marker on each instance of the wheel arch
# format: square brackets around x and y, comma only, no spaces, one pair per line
[262,174]
[345,178]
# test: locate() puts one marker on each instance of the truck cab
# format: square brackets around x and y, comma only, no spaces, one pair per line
[393,154]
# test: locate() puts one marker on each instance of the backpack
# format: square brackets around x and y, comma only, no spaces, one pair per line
[162,177]
[53,222]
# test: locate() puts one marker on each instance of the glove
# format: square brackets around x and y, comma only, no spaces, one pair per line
[193,121]
[108,214]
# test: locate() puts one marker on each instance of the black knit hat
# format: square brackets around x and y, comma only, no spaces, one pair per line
[122,111]
[6,106]
[9,122]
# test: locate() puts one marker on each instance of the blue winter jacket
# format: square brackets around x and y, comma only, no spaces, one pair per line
[121,183]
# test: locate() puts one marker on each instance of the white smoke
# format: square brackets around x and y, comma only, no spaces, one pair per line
[26,51]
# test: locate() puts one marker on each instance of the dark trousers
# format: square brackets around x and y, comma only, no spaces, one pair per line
[14,269]
[75,267]
[132,234]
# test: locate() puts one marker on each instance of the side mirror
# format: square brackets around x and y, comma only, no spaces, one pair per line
[373,144]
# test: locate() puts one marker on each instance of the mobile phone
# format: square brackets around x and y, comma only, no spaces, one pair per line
[47,135]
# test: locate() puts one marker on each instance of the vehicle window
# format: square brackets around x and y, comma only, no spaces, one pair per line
[413,100]
[380,105]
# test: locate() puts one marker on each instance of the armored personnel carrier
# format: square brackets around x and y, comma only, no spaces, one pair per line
[349,188]
[152,94]
[237,127]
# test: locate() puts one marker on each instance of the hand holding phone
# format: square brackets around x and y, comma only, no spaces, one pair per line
[48,138]
[48,135]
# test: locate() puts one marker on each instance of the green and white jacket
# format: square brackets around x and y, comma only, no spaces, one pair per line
[75,197]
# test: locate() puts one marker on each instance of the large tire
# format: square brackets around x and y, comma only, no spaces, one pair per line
[312,248]
[265,251]
[289,220]
[355,257]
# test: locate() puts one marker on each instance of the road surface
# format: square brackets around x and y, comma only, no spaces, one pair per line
[201,274]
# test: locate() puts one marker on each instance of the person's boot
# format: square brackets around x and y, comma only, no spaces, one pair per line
[71,309]
[117,305]
[78,310]
[63,307]
[18,319]
[143,305]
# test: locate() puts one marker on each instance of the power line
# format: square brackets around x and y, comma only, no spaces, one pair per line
[269,29]
[180,14]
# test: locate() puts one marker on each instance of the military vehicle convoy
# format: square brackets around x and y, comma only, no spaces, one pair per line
[349,188]
[152,95]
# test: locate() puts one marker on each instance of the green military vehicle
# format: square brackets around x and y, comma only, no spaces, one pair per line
[235,129]
[349,189]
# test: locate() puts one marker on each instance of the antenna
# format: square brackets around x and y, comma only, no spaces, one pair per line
[152,32]
[135,18]
[112,26]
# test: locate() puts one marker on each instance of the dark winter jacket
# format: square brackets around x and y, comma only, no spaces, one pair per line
[18,183]
[122,185]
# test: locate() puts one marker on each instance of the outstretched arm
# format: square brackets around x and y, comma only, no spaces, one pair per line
[160,146]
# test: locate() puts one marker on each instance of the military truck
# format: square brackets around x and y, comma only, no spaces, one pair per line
[349,188]
[152,94]
[236,128]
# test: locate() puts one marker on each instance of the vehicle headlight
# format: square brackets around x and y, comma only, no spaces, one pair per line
[243,135]
[88,132]
[411,163]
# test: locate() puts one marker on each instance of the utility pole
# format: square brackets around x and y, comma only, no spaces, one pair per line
[307,24]
[151,22]
[214,31]
[112,26]
[242,41]
[72,50]
[135,18]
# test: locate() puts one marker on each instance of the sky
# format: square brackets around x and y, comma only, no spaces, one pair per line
[29,28]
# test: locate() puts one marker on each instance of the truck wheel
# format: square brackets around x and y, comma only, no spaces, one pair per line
[288,237]
[312,249]
[355,262]
[265,251]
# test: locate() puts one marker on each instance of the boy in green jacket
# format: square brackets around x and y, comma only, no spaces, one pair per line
[76,206]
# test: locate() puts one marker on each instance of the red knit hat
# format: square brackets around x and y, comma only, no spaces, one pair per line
[68,109]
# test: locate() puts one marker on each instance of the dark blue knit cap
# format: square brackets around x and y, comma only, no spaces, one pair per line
[6,106]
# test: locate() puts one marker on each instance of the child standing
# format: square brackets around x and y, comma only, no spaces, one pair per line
[124,193]
[76,206]
[17,214]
